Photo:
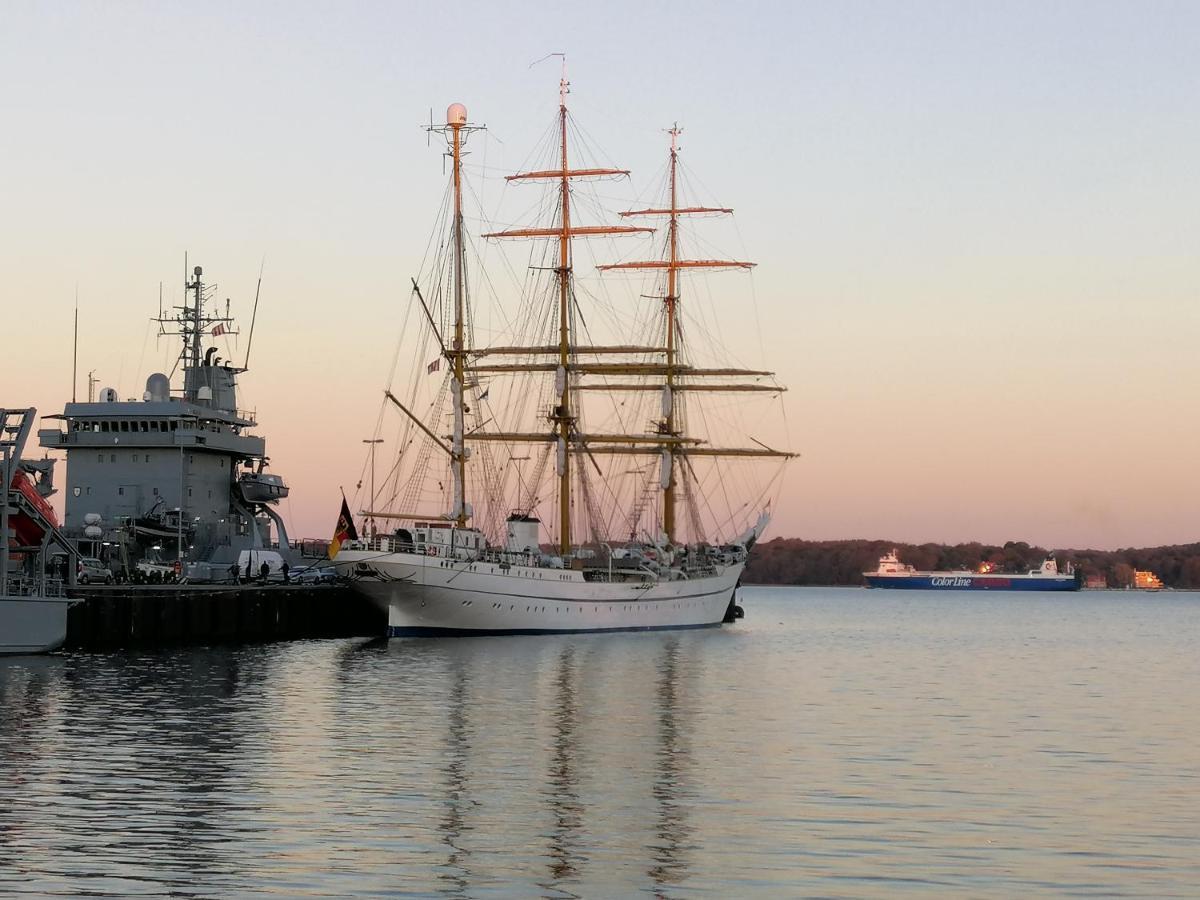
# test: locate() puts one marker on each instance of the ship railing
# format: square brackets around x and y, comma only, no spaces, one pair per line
[23,586]
[391,544]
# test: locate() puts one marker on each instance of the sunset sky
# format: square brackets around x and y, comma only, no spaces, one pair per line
[977,226]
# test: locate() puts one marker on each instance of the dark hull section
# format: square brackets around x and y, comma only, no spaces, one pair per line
[154,616]
[968,582]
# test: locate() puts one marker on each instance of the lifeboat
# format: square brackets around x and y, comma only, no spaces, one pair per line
[262,487]
[29,529]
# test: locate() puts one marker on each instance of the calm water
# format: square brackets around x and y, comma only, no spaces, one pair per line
[835,743]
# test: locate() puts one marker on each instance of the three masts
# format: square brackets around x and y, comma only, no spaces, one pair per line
[439,572]
[659,366]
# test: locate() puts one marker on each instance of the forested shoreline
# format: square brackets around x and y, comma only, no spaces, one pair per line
[801,562]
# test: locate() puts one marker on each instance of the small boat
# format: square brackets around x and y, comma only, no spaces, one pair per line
[262,487]
[892,573]
[33,601]
[32,624]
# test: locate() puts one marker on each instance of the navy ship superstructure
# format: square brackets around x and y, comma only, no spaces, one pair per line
[173,484]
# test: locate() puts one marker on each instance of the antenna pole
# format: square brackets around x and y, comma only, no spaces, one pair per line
[75,352]
[254,315]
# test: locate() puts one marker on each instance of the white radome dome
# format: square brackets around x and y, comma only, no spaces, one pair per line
[456,114]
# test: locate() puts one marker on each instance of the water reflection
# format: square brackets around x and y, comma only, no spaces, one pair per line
[562,792]
[146,743]
[670,863]
[966,754]
[454,873]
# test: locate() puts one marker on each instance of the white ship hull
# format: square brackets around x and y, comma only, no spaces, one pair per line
[32,625]
[427,595]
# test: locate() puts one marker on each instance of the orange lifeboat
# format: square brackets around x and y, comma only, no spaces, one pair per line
[29,529]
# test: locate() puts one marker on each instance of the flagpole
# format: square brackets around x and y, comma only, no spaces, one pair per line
[371,505]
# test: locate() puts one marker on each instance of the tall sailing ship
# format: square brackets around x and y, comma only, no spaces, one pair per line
[604,439]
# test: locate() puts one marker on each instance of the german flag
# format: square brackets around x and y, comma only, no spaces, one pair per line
[344,531]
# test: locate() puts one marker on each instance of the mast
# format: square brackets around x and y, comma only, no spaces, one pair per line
[668,460]
[669,427]
[456,118]
[455,131]
[194,345]
[562,416]
[190,321]
[562,412]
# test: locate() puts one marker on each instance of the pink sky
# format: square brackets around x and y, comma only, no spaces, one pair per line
[976,230]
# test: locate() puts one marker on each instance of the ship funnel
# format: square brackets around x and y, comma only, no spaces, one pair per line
[456,114]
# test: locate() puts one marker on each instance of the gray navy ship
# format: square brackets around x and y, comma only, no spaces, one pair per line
[174,486]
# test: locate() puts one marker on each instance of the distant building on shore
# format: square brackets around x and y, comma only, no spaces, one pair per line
[1095,583]
[1146,581]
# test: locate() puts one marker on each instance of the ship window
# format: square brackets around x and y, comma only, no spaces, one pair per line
[189,492]
[154,425]
[147,457]
[89,491]
[191,459]
[100,457]
[156,492]
[135,457]
[124,425]
[112,457]
[104,426]
[210,495]
[120,492]
[222,462]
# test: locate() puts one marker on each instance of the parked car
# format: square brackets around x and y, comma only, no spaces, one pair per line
[91,569]
[313,575]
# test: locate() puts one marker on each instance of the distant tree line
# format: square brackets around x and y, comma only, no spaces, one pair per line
[794,561]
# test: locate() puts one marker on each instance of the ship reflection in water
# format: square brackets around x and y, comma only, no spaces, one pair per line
[833,743]
[556,765]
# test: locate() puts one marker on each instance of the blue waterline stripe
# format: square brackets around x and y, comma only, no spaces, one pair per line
[968,583]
